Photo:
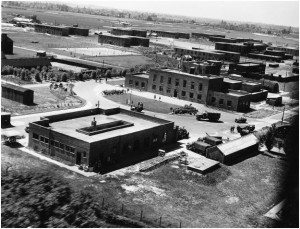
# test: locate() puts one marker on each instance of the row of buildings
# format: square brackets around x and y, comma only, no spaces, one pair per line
[123,40]
[206,89]
[61,30]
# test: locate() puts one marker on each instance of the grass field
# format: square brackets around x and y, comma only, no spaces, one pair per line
[122,61]
[232,196]
[44,101]
[149,104]
[101,22]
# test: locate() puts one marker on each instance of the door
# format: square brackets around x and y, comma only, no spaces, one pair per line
[78,158]
[175,93]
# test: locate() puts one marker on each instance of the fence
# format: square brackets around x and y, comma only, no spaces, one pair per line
[141,215]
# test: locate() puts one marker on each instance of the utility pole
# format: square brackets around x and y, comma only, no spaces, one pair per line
[98,104]
[282,115]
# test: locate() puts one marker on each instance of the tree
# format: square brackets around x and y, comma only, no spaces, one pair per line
[269,139]
[80,76]
[94,75]
[64,77]
[124,72]
[108,74]
[149,18]
[37,77]
[23,75]
[44,68]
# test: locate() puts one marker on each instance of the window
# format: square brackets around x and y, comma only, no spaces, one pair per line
[169,80]
[213,99]
[42,139]
[46,140]
[56,144]
[161,79]
[84,154]
[153,87]
[52,142]
[154,77]
[35,136]
[62,146]
[229,103]
[199,96]
[192,85]
[154,138]
[200,86]
[221,101]
[130,82]
[168,90]
[136,83]
[143,84]
[191,95]
[67,148]
[161,88]
[177,82]
[72,150]
[184,83]
[183,93]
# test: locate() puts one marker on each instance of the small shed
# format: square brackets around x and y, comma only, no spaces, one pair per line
[203,165]
[229,152]
[5,119]
[274,100]
[18,94]
[212,140]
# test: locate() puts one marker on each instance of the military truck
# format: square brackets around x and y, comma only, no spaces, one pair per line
[138,108]
[186,109]
[240,120]
[211,116]
[244,130]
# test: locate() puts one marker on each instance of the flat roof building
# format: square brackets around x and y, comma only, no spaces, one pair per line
[102,139]
[55,30]
[128,32]
[125,41]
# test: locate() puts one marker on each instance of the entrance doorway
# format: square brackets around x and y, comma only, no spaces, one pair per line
[78,158]
[175,93]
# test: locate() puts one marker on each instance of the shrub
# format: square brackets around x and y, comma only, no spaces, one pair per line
[80,76]
[124,72]
[37,77]
[108,74]
[64,77]
[94,75]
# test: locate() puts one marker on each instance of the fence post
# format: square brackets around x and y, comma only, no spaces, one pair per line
[122,208]
[103,203]
[159,221]
[141,215]
[180,224]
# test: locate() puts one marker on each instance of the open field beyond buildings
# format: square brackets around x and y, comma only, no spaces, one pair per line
[102,22]
[231,196]
[44,101]
[97,51]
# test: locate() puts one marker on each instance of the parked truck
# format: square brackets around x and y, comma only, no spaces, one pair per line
[211,116]
[244,130]
[240,120]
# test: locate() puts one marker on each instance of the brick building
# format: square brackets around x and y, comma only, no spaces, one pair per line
[170,34]
[128,32]
[208,90]
[200,54]
[289,50]
[6,44]
[102,139]
[201,68]
[18,94]
[242,48]
[75,30]
[247,68]
[263,56]
[55,30]
[206,35]
[125,41]
[27,63]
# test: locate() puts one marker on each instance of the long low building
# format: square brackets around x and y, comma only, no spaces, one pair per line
[206,35]
[17,94]
[61,30]
[171,34]
[200,54]
[27,63]
[235,150]
[128,32]
[242,48]
[124,41]
[102,139]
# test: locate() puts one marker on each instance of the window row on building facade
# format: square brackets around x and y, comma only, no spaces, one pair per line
[177,82]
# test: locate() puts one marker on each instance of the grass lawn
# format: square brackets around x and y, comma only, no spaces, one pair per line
[262,113]
[123,61]
[149,104]
[16,80]
[232,196]
[44,101]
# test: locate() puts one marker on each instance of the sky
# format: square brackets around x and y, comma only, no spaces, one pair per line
[268,12]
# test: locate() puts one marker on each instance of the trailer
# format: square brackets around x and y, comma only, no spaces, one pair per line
[211,116]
